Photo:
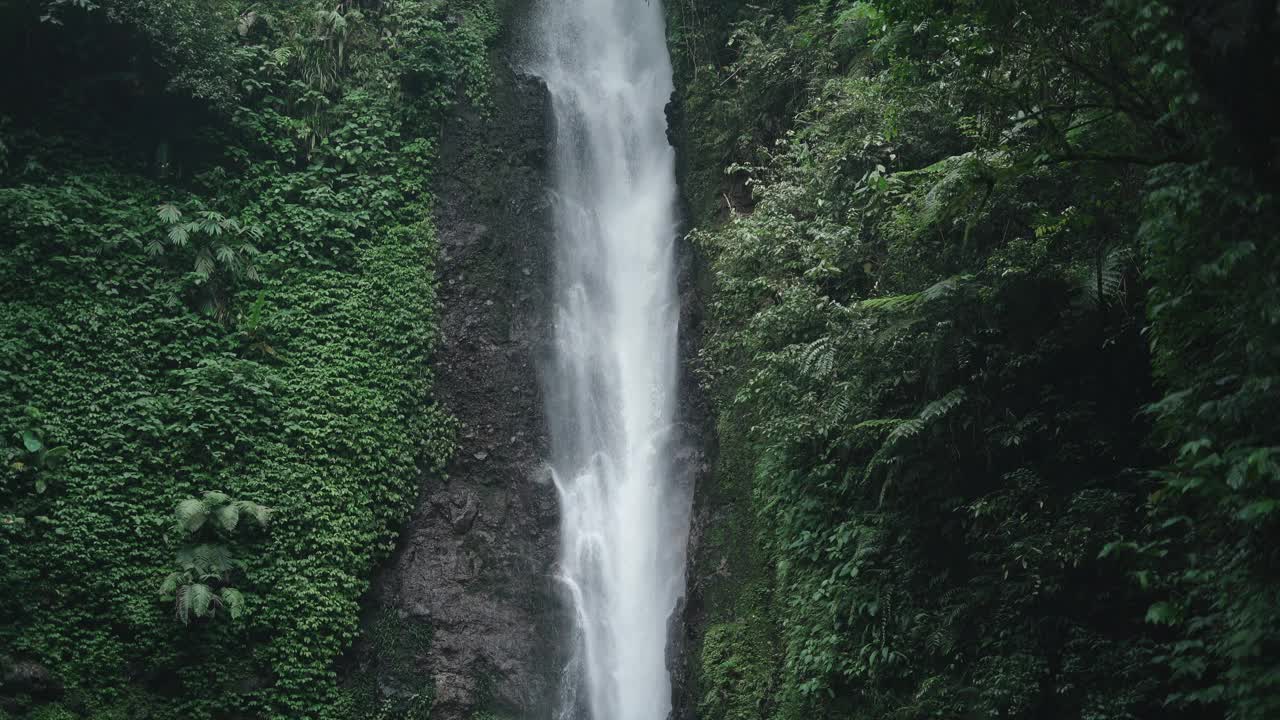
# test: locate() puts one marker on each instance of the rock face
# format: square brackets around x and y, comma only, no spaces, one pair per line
[465,616]
[695,457]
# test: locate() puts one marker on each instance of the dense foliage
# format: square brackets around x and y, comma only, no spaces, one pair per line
[993,331]
[217,294]
[992,334]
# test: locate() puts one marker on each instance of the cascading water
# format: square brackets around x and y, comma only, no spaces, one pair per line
[612,382]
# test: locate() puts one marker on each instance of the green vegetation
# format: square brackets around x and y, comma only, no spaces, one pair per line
[217,277]
[991,333]
[201,586]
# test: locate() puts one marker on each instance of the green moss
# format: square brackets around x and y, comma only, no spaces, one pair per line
[737,660]
[737,670]
[51,712]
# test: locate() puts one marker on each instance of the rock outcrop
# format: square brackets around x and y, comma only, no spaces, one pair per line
[464,616]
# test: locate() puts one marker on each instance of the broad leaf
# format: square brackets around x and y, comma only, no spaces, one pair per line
[31,441]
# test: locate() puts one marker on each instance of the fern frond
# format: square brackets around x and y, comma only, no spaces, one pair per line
[169,213]
[182,604]
[190,515]
[212,559]
[225,255]
[199,600]
[878,425]
[213,498]
[943,405]
[169,587]
[260,514]
[178,236]
[905,301]
[944,287]
[228,516]
[204,263]
[1103,281]
[233,600]
[906,429]
[891,302]
[818,358]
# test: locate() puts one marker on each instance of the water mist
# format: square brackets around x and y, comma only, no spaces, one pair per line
[612,381]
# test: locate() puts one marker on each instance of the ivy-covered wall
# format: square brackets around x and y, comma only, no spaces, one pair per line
[217,275]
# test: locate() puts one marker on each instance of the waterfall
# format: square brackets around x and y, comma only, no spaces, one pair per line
[611,384]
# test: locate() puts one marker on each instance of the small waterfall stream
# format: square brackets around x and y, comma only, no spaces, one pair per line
[611,385]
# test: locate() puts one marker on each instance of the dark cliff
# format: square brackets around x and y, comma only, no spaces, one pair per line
[463,619]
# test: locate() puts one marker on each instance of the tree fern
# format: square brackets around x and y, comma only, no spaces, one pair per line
[1102,282]
[211,559]
[217,244]
[201,585]
[228,516]
[911,427]
[233,600]
[260,514]
[190,515]
[198,599]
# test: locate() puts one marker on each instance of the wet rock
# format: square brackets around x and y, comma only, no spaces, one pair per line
[473,565]
[464,511]
[27,678]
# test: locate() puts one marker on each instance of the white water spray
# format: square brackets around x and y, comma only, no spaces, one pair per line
[611,385]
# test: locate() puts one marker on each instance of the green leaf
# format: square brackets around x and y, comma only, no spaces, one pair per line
[211,560]
[213,498]
[170,586]
[1162,613]
[234,602]
[54,457]
[178,235]
[31,441]
[260,514]
[1258,509]
[190,514]
[169,213]
[200,599]
[228,516]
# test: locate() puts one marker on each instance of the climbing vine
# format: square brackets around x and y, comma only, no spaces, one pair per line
[218,277]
